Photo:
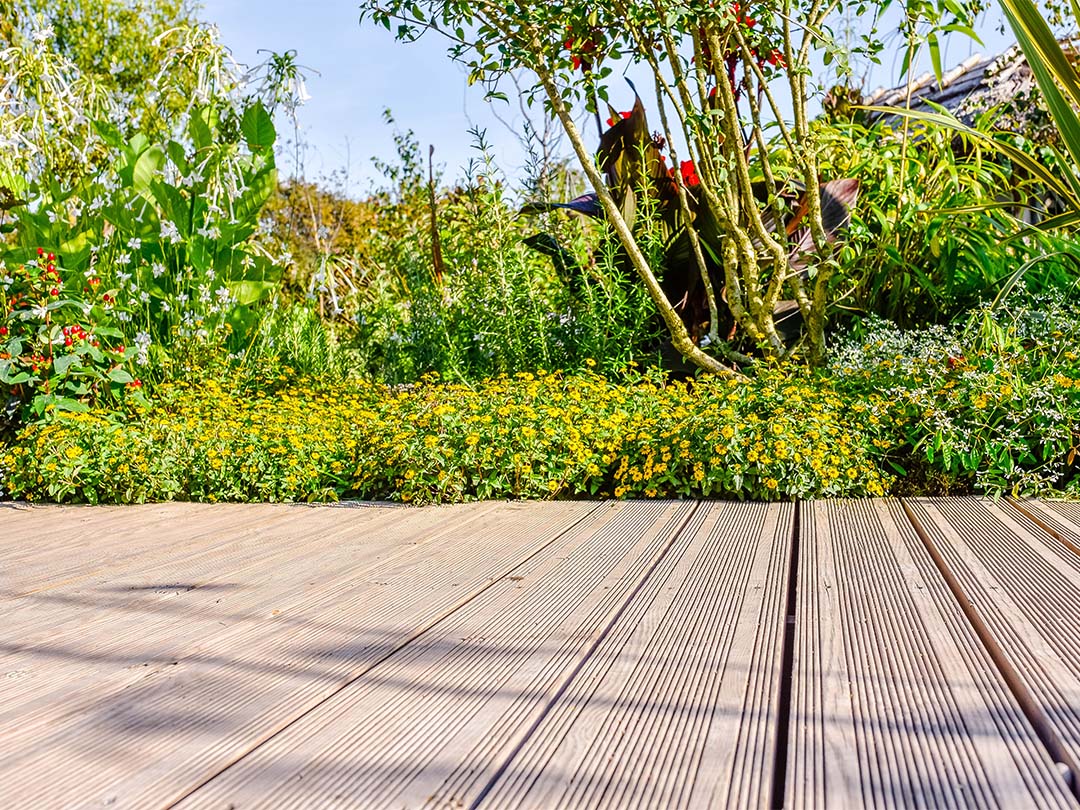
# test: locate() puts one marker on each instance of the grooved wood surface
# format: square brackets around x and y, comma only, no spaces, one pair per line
[895,701]
[541,655]
[1025,585]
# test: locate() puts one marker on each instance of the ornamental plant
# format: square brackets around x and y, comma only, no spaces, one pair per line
[169,223]
[57,347]
[757,217]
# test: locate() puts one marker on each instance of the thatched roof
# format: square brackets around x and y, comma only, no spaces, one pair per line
[974,86]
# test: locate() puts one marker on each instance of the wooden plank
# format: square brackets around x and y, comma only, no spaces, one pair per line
[436,722]
[20,524]
[148,741]
[113,630]
[46,558]
[1070,510]
[1024,585]
[895,701]
[678,707]
[1059,519]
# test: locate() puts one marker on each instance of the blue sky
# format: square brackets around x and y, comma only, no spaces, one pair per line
[358,71]
[361,72]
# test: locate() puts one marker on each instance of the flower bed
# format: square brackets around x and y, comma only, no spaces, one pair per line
[530,436]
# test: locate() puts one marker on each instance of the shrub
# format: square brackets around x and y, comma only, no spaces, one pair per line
[992,407]
[528,436]
[58,342]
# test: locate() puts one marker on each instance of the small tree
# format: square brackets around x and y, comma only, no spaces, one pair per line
[749,196]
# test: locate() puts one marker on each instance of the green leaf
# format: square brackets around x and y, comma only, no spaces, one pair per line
[199,129]
[260,188]
[65,361]
[935,56]
[68,404]
[173,205]
[120,375]
[1051,68]
[110,133]
[178,156]
[258,128]
[147,168]
[14,379]
[248,292]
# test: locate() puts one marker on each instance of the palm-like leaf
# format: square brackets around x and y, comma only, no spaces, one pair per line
[1057,78]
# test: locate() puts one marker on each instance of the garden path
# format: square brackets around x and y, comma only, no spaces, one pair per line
[881,653]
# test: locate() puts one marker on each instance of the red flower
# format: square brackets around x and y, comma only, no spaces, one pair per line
[41,251]
[611,121]
[3,331]
[689,173]
[580,49]
[742,17]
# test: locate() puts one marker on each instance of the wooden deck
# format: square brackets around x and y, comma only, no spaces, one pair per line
[923,653]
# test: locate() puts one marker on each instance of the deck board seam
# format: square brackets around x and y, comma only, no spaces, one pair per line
[1029,705]
[583,659]
[782,742]
[1044,524]
[392,651]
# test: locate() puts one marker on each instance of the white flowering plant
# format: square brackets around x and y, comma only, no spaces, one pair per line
[166,223]
[990,406]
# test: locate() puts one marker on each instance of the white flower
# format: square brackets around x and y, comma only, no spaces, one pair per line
[40,311]
[182,298]
[165,306]
[170,231]
[144,296]
[44,34]
[158,269]
[143,340]
[124,277]
[52,215]
[223,294]
[134,243]
[124,258]
[210,274]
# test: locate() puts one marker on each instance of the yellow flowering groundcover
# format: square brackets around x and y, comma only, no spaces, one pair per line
[528,436]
